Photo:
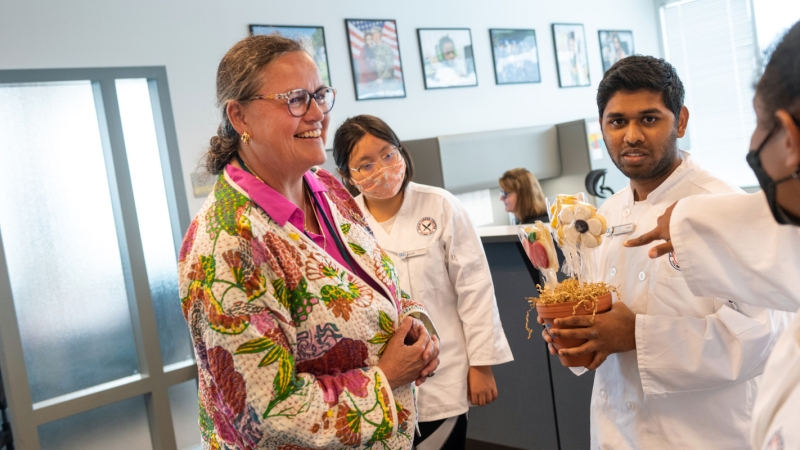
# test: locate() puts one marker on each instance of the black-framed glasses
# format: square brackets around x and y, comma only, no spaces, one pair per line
[386,160]
[299,100]
[504,194]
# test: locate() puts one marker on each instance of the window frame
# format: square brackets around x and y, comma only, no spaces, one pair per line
[154,379]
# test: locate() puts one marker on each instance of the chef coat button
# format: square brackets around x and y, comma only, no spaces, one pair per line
[603,394]
[613,271]
[626,212]
[630,405]
[658,213]
[642,276]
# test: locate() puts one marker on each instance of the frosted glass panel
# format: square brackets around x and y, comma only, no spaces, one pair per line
[150,195]
[185,413]
[60,240]
[120,425]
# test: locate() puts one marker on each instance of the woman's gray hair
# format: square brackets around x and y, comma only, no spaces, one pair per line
[238,79]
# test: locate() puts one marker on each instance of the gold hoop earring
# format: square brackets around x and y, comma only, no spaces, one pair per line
[245,138]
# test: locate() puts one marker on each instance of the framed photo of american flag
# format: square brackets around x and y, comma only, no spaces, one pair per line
[312,38]
[375,59]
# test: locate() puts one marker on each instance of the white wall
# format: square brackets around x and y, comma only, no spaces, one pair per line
[190,37]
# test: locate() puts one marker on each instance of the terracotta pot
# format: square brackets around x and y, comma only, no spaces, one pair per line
[550,312]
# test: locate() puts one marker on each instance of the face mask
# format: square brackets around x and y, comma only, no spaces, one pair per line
[385,183]
[769,185]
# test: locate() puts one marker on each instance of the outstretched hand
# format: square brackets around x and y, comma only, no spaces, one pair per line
[660,232]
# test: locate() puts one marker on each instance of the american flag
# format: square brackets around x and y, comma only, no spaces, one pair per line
[357,29]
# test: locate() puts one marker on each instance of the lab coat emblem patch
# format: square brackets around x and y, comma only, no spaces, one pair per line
[426,226]
[776,442]
[673,261]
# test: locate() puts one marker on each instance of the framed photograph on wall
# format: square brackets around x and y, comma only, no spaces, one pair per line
[614,45]
[312,38]
[573,61]
[516,56]
[375,59]
[447,59]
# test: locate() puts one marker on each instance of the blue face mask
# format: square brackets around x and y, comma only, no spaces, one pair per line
[769,185]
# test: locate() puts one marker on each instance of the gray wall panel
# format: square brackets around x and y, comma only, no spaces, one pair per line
[573,148]
[427,161]
[474,161]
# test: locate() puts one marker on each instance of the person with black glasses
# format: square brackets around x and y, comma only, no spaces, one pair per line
[747,248]
[301,333]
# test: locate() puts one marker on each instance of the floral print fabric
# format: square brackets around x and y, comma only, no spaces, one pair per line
[286,339]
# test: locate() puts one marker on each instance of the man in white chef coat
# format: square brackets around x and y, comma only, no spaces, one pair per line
[747,247]
[673,370]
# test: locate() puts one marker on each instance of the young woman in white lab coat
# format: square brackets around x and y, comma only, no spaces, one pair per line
[747,247]
[440,261]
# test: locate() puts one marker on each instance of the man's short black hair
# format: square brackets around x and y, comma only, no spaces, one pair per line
[639,72]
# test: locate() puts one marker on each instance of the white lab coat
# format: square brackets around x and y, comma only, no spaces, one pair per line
[444,267]
[691,382]
[731,246]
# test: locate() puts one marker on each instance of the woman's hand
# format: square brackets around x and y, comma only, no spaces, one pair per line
[481,388]
[403,363]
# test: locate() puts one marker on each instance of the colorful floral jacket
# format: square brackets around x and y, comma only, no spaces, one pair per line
[287,340]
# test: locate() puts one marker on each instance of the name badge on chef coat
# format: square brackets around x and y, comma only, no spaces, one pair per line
[620,229]
[410,253]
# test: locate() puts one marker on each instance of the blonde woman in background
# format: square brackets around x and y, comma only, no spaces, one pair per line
[522,195]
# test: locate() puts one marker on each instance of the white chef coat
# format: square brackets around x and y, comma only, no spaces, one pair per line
[691,382]
[441,263]
[730,245]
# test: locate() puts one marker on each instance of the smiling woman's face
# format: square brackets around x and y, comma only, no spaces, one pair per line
[288,143]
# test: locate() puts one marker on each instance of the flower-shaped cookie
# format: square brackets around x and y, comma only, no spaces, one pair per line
[580,224]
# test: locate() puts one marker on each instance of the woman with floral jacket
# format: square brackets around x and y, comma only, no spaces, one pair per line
[302,336]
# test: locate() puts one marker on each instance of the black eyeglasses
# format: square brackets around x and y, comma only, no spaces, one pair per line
[299,100]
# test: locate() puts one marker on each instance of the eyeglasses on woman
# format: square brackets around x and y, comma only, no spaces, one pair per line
[299,100]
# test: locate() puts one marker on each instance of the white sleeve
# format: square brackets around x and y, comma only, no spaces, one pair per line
[730,246]
[723,348]
[477,308]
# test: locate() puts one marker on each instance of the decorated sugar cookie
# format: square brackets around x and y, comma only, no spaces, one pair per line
[538,245]
[579,223]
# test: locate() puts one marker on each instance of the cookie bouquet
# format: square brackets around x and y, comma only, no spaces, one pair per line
[578,229]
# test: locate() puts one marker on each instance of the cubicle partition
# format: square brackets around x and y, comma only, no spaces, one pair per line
[473,161]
